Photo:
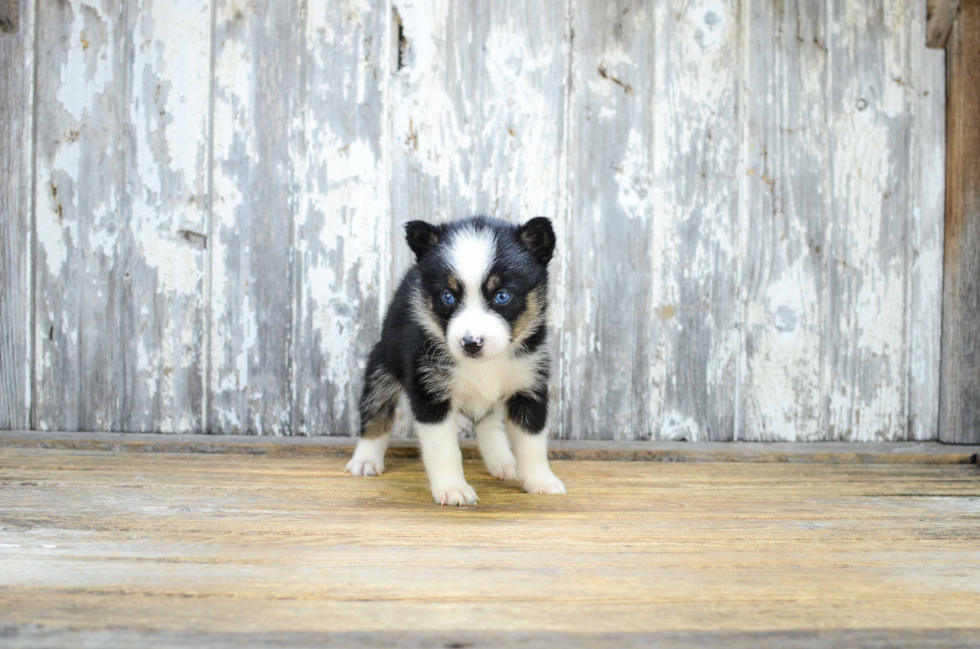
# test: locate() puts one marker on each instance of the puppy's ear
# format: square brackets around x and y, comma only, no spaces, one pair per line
[421,237]
[538,236]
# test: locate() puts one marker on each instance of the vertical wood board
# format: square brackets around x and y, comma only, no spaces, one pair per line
[928,182]
[786,185]
[959,420]
[16,128]
[255,194]
[696,174]
[609,249]
[120,189]
[868,231]
[341,231]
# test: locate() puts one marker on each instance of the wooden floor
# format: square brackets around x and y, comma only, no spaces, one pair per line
[154,549]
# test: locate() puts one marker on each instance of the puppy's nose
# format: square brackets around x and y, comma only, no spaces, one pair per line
[471,345]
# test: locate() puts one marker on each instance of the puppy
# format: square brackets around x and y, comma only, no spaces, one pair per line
[466,333]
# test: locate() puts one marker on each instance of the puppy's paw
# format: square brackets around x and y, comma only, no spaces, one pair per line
[543,483]
[362,467]
[503,470]
[454,494]
[369,457]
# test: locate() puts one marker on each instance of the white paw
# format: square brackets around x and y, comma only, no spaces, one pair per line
[547,483]
[454,494]
[359,467]
[504,470]
[369,457]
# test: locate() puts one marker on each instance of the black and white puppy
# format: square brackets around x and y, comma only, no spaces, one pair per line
[467,333]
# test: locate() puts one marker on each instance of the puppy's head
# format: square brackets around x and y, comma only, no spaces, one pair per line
[484,281]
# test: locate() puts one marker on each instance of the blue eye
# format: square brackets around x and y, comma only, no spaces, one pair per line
[502,297]
[448,298]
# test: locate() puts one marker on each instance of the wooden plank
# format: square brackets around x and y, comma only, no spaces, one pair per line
[29,635]
[16,142]
[477,107]
[786,204]
[562,449]
[959,406]
[866,354]
[612,344]
[940,15]
[696,193]
[928,183]
[341,232]
[241,545]
[258,140]
[121,152]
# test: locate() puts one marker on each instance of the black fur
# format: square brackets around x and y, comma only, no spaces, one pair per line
[529,411]
[422,237]
[538,235]
[410,357]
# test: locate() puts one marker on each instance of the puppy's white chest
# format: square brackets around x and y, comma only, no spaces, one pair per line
[479,385]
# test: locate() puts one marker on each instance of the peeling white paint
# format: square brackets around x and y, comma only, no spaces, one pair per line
[86,72]
[477,120]
[634,179]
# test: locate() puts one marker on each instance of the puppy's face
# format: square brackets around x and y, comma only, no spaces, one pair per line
[484,282]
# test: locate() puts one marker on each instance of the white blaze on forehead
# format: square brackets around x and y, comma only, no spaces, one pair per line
[471,254]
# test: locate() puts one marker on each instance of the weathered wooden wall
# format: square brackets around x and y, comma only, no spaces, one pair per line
[748,193]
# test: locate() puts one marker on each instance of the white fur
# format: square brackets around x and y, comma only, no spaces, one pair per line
[444,462]
[369,457]
[532,462]
[491,435]
[471,254]
[479,385]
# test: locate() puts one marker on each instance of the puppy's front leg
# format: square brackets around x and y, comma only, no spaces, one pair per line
[444,462]
[526,416]
[533,471]
[492,438]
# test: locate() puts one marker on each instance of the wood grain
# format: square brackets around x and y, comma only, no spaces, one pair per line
[959,407]
[120,191]
[928,170]
[609,249]
[865,348]
[477,114]
[940,15]
[203,546]
[16,142]
[785,188]
[258,65]
[696,162]
[341,230]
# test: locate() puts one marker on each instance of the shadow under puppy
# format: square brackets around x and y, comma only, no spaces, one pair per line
[466,333]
